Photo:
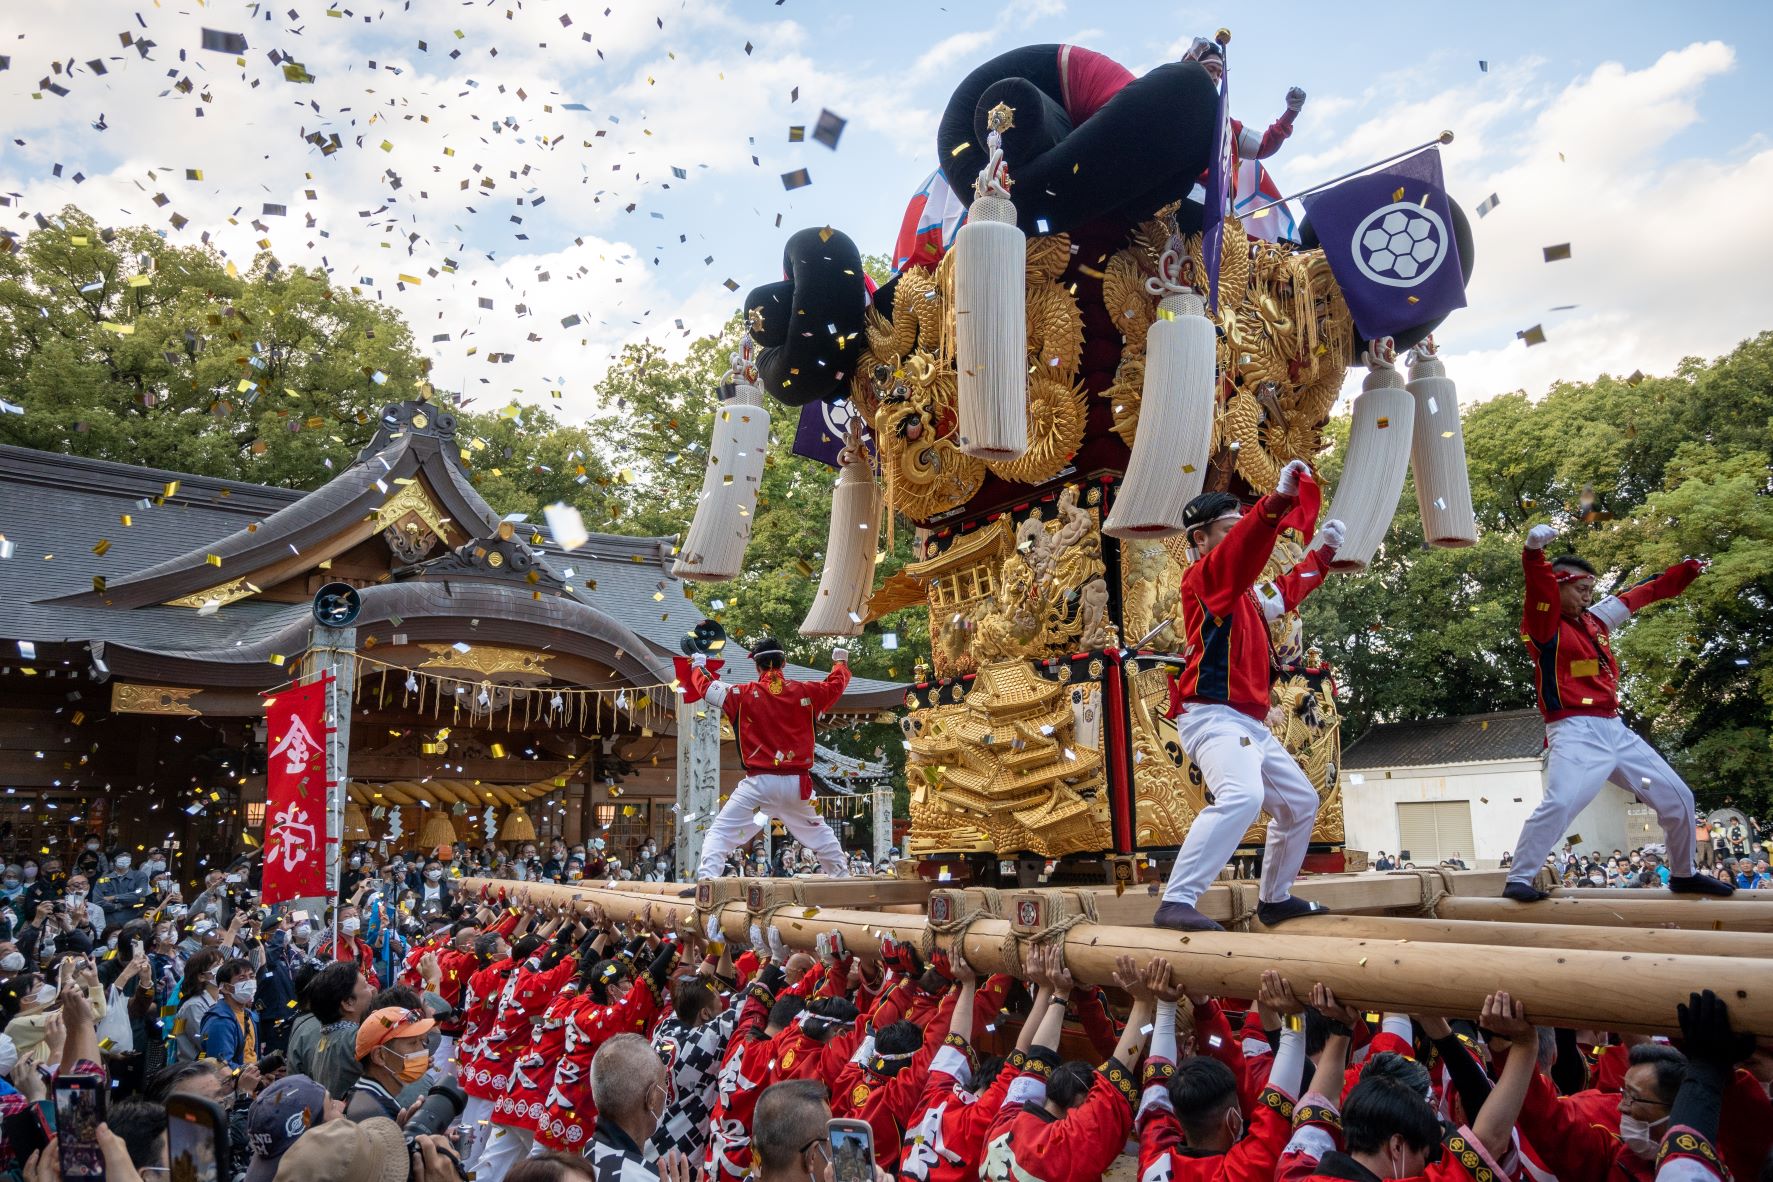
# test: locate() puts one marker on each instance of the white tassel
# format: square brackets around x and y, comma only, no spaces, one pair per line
[714,548]
[990,313]
[1437,453]
[1378,455]
[1169,462]
[850,546]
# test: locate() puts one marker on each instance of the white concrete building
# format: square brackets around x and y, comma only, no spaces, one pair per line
[1461,787]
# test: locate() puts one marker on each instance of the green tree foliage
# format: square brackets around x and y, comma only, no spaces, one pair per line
[1637,474]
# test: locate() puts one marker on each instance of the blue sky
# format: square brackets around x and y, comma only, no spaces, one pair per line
[1657,110]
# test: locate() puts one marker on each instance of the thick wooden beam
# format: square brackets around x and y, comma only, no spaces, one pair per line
[1625,991]
[1747,945]
[1687,913]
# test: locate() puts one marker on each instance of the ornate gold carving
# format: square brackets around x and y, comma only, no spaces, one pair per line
[487,661]
[413,500]
[130,698]
[1036,590]
[1004,770]
[221,595]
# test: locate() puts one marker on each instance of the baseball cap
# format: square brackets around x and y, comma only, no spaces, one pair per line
[281,1113]
[392,1022]
[348,1151]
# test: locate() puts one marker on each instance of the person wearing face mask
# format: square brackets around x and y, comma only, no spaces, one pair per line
[196,995]
[230,1029]
[91,860]
[1583,1144]
[82,911]
[629,1092]
[122,891]
[12,892]
[391,1052]
[42,880]
[348,947]
[435,893]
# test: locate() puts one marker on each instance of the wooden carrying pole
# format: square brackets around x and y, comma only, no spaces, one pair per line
[1427,929]
[1625,991]
[1686,913]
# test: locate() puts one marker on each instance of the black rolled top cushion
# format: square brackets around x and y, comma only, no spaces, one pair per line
[811,331]
[1144,148]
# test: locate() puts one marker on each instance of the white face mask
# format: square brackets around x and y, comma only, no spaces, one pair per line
[8,1055]
[245,991]
[13,962]
[29,872]
[350,926]
[45,994]
[304,930]
[155,866]
[122,862]
[433,875]
[1640,1137]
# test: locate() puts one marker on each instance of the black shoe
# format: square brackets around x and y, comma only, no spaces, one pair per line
[1523,892]
[1269,914]
[1700,884]
[1183,917]
[687,893]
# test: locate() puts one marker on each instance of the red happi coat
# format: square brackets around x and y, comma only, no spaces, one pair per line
[1026,1141]
[773,717]
[485,988]
[526,994]
[743,1073]
[1165,1157]
[532,1065]
[945,1138]
[568,1115]
[1574,670]
[864,1090]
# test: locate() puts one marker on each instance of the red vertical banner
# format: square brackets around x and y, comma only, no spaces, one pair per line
[297,784]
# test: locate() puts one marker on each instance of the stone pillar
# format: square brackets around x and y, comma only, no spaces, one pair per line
[574,828]
[882,800]
[698,781]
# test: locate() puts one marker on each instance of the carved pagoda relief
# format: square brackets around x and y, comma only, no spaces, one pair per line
[1015,764]
[1030,586]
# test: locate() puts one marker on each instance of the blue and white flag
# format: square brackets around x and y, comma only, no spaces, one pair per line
[822,428]
[1389,240]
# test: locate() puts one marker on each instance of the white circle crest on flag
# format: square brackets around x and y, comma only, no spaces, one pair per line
[1400,245]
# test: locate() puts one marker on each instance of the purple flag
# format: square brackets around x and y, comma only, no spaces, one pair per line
[821,431]
[1389,240]
[1221,173]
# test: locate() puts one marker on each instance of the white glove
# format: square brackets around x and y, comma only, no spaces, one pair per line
[778,946]
[1288,484]
[700,660]
[1295,99]
[1540,536]
[758,944]
[1332,534]
[840,655]
[713,928]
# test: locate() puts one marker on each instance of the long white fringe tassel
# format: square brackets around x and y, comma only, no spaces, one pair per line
[991,313]
[1437,453]
[850,546]
[714,548]
[1169,461]
[1378,455]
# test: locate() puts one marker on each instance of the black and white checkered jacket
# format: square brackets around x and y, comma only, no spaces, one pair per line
[691,1055]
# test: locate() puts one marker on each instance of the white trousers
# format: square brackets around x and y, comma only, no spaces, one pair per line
[477,1115]
[1585,754]
[1247,770]
[779,797]
[504,1148]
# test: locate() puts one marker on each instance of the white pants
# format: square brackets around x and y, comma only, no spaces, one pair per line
[477,1115]
[1247,770]
[505,1147]
[1586,753]
[779,797]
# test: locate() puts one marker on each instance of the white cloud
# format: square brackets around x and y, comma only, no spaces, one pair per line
[1668,257]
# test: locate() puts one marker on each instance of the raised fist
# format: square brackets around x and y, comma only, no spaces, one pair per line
[1295,99]
[840,655]
[1333,533]
[1288,484]
[1540,536]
